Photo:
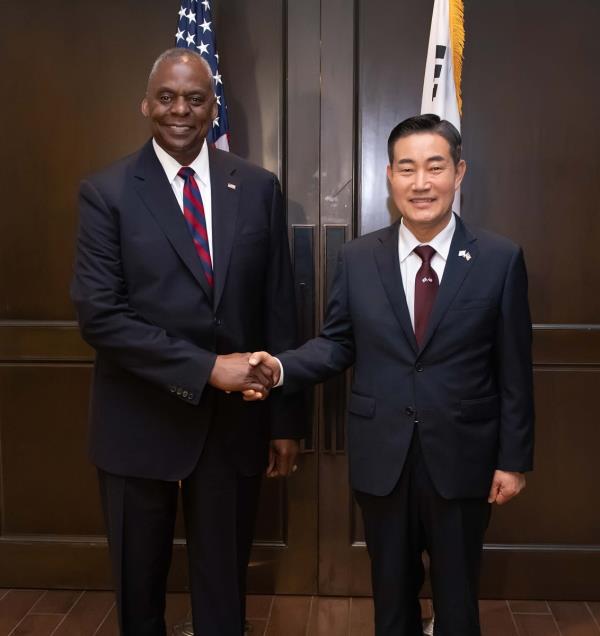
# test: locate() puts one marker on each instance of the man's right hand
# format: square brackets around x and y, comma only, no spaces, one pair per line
[233,372]
[268,367]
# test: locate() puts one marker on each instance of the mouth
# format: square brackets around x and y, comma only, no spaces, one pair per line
[422,202]
[178,128]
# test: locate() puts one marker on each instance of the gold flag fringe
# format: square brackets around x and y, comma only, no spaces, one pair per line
[457,38]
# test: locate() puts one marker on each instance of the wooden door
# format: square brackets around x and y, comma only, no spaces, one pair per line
[313,89]
[530,138]
[73,108]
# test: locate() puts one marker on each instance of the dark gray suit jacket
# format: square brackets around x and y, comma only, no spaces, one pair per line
[468,389]
[144,304]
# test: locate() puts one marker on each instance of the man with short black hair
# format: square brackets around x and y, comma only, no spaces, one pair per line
[434,316]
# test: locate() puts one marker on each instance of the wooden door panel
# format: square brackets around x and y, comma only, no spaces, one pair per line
[531,176]
[74,108]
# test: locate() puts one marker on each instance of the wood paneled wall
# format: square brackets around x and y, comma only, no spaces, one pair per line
[531,134]
[314,88]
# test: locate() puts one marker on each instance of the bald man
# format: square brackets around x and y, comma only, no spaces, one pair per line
[174,242]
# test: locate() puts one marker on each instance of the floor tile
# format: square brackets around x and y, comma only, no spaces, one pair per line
[258,606]
[13,607]
[361,617]
[37,625]
[258,627]
[496,619]
[536,625]
[56,602]
[594,609]
[529,607]
[178,610]
[110,624]
[86,615]
[426,608]
[289,616]
[329,616]
[574,619]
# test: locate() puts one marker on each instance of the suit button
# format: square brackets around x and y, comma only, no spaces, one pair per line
[409,410]
[190,396]
[179,390]
[172,388]
[185,394]
[419,368]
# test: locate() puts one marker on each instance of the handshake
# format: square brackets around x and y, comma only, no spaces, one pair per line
[252,374]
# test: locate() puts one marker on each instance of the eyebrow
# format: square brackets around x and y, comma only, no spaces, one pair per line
[412,161]
[168,89]
[437,158]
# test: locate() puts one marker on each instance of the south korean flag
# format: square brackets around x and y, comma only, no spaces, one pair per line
[441,86]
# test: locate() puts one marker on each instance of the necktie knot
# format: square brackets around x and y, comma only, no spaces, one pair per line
[186,172]
[425,253]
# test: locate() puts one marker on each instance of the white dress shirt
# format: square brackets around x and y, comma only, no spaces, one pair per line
[200,166]
[410,262]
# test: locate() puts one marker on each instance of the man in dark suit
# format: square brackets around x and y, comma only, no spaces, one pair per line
[434,316]
[182,259]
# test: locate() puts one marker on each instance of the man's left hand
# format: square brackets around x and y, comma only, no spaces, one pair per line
[282,457]
[505,486]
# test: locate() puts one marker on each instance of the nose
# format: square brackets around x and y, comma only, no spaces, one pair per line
[421,181]
[180,106]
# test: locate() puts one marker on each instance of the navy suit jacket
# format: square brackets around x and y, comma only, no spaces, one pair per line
[144,304]
[468,388]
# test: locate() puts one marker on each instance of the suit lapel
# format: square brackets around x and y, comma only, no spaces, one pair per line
[457,267]
[155,191]
[386,257]
[225,192]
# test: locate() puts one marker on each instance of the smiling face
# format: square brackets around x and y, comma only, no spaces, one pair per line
[181,105]
[423,179]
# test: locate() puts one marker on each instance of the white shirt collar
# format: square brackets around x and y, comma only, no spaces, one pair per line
[407,241]
[171,166]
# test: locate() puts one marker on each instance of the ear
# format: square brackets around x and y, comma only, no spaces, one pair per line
[389,173]
[215,109]
[461,168]
[145,108]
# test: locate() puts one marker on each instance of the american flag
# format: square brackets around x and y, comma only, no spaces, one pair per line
[195,30]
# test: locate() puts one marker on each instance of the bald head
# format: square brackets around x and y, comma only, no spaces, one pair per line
[180,103]
[186,56]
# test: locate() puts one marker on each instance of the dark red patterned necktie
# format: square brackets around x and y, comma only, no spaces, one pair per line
[426,287]
[193,211]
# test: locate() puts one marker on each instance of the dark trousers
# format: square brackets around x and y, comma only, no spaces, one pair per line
[219,507]
[398,527]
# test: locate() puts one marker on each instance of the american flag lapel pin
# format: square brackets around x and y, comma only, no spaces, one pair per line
[231,186]
[465,255]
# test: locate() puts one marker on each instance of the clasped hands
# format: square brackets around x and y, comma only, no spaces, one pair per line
[254,375]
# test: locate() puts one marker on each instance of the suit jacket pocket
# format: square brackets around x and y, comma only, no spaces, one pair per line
[485,408]
[361,405]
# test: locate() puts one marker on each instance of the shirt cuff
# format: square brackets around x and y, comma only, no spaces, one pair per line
[280,383]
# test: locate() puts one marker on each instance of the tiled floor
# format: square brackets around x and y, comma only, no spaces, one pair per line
[66,613]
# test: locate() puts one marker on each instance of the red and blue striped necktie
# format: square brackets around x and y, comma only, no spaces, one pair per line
[193,211]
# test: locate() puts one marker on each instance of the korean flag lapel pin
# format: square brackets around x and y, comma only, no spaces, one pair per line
[465,254]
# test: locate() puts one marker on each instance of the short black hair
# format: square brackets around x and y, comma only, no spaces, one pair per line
[427,123]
